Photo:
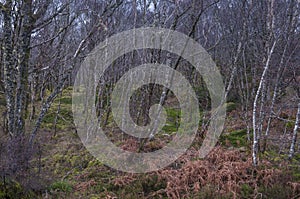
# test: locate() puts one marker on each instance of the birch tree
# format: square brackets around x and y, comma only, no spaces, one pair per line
[294,138]
[255,147]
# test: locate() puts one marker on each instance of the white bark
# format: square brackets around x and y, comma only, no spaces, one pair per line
[294,139]
[258,92]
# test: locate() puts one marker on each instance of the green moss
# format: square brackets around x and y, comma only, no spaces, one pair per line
[272,154]
[66,100]
[210,191]
[94,197]
[235,138]
[94,162]
[173,120]
[203,96]
[290,124]
[65,117]
[58,158]
[62,186]
[151,183]
[170,128]
[2,194]
[296,176]
[276,191]
[294,171]
[78,161]
[145,184]
[297,156]
[75,161]
[246,191]
[64,120]
[13,189]
[230,106]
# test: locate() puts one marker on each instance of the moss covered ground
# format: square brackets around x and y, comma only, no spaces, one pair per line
[70,171]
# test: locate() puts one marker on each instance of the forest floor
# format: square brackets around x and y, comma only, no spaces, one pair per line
[67,170]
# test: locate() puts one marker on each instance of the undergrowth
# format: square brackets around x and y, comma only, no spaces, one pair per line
[221,175]
[224,173]
[235,138]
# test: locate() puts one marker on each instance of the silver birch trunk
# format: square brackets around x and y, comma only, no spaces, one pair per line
[258,92]
[294,139]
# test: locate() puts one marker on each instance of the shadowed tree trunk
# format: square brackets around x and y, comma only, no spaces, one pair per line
[22,66]
[8,66]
